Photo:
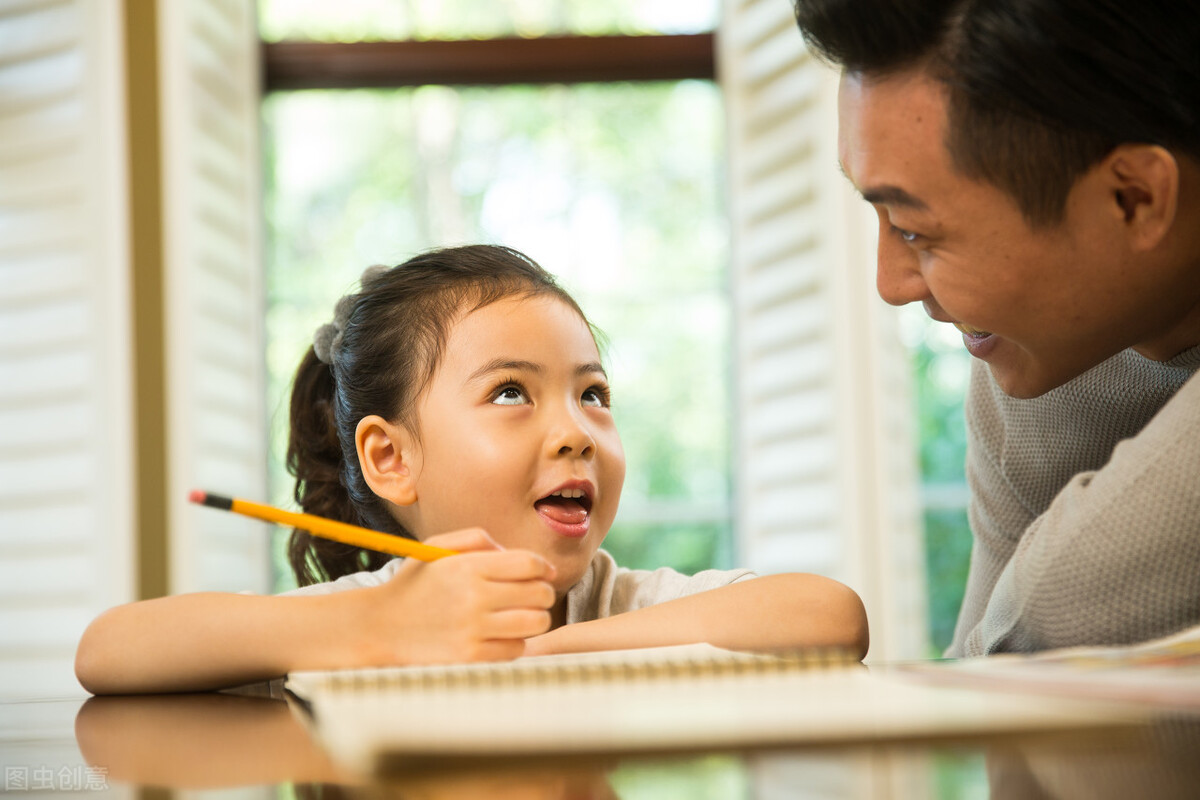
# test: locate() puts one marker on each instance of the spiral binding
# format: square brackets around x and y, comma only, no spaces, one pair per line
[522,674]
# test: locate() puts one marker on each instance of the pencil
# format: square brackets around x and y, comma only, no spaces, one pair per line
[325,528]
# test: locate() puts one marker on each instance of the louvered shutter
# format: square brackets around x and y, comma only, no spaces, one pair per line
[214,308]
[66,447]
[826,477]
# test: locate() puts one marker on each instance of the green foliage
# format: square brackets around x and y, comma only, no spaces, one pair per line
[947,557]
[940,385]
[941,366]
[687,546]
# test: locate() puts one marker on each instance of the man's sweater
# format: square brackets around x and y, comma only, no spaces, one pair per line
[1085,509]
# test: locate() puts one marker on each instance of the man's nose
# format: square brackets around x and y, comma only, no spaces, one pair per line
[898,277]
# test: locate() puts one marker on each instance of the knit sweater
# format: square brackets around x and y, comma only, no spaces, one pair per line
[1085,509]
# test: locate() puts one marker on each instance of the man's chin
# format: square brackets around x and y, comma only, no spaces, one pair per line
[1027,381]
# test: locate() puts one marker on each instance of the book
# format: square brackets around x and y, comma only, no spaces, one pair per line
[1162,672]
[665,699]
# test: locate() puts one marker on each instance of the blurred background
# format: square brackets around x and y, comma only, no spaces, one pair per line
[186,188]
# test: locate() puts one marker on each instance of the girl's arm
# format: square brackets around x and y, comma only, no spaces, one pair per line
[774,611]
[480,605]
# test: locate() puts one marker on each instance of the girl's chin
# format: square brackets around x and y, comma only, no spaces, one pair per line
[568,573]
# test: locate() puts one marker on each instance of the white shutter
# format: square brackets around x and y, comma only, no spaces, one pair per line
[66,447]
[209,96]
[826,470]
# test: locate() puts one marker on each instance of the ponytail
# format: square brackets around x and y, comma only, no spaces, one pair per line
[314,457]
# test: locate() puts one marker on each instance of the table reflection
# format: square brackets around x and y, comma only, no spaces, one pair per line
[219,741]
[199,741]
[1159,761]
[214,741]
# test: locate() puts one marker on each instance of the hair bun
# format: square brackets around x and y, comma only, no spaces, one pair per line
[372,272]
[323,342]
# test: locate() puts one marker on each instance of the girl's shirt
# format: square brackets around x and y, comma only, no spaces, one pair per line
[604,591]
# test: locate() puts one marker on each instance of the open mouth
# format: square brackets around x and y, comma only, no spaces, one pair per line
[569,508]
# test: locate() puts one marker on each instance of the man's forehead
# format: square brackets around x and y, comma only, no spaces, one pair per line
[890,135]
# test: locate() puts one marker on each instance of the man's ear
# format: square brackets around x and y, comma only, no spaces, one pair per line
[389,459]
[1145,185]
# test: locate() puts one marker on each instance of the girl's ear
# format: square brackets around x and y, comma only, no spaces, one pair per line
[389,459]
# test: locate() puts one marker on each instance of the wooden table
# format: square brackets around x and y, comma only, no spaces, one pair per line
[246,747]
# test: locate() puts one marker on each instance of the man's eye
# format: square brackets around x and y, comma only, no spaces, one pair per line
[906,236]
[510,396]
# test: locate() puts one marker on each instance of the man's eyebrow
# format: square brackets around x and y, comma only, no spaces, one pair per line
[893,196]
[887,194]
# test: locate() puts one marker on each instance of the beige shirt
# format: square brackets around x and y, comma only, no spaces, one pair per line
[1085,509]
[604,590]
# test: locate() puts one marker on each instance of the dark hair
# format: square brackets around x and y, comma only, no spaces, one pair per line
[389,349]
[1038,90]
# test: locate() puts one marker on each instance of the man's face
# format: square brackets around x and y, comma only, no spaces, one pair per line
[1040,306]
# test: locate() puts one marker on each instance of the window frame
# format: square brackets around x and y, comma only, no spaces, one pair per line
[295,65]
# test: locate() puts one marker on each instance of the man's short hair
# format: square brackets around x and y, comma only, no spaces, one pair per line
[1038,91]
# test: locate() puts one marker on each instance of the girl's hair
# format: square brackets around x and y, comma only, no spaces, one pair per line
[379,355]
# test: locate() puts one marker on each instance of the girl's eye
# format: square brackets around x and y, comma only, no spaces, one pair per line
[597,397]
[908,237]
[510,396]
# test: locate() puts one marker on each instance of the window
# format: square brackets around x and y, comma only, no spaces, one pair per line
[744,341]
[615,187]
[941,368]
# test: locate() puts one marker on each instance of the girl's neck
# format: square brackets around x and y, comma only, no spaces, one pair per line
[558,614]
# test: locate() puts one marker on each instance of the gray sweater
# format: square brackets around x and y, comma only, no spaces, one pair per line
[1085,509]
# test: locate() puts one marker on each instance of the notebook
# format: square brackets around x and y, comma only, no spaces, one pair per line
[690,697]
[1163,672]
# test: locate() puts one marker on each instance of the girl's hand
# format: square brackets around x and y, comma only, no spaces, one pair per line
[477,606]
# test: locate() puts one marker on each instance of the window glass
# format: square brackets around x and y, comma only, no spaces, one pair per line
[941,371]
[616,188]
[366,20]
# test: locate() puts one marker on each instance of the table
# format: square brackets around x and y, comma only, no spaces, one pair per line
[226,746]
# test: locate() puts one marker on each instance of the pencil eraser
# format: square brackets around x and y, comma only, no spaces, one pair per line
[197,496]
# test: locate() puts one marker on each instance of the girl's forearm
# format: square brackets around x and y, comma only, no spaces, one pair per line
[774,611]
[196,642]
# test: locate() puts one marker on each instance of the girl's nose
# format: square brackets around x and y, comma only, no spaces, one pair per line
[898,275]
[570,435]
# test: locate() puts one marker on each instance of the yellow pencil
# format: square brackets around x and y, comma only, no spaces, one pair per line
[325,528]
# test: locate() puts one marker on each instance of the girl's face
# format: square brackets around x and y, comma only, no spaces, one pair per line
[517,438]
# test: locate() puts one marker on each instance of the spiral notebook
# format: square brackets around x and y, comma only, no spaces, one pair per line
[691,697]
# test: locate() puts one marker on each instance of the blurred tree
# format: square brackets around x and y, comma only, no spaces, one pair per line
[941,366]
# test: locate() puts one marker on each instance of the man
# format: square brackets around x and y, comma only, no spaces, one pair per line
[1035,166]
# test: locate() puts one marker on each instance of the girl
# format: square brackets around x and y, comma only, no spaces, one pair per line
[458,399]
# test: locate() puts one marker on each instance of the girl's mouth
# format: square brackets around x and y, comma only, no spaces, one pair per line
[566,511]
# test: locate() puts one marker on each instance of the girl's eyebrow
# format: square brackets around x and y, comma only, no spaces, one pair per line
[590,368]
[515,365]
